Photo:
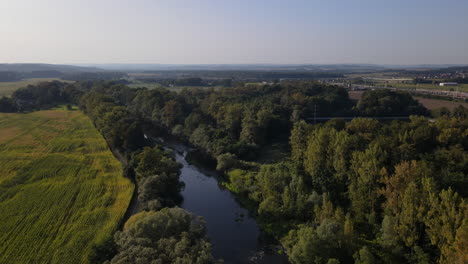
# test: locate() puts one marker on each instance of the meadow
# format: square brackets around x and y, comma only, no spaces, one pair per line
[61,188]
[7,88]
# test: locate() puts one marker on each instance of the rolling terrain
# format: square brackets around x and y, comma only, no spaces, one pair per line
[61,189]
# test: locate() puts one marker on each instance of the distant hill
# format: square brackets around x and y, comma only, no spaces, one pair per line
[239,67]
[18,71]
[41,67]
[342,68]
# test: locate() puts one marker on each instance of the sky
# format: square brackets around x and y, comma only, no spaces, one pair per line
[234,31]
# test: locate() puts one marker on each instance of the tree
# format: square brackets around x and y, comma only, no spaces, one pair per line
[364,256]
[158,179]
[459,252]
[226,161]
[162,190]
[365,174]
[171,235]
[249,132]
[298,140]
[309,245]
[282,192]
[103,251]
[172,113]
[396,184]
[443,220]
[7,105]
[460,112]
[154,161]
[383,102]
[409,218]
[366,129]
[316,159]
[232,120]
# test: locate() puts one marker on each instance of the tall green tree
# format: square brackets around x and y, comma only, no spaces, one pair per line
[167,236]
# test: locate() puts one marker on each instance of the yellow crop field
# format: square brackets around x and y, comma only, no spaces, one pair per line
[61,189]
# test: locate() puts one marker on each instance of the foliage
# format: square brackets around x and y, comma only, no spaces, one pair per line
[7,105]
[115,122]
[383,102]
[226,161]
[170,235]
[157,175]
[388,188]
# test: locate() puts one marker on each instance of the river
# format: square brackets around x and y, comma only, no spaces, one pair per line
[235,235]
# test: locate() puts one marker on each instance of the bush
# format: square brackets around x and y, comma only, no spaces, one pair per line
[226,161]
[171,235]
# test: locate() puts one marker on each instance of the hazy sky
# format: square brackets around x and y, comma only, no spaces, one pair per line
[234,31]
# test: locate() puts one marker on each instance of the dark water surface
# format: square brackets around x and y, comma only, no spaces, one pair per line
[235,235]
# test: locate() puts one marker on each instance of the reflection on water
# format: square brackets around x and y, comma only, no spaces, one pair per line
[235,235]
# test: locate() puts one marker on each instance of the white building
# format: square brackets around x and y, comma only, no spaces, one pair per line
[449,84]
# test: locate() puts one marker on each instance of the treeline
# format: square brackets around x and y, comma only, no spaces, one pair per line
[9,76]
[191,81]
[459,80]
[162,232]
[71,76]
[251,75]
[366,192]
[92,76]
[237,120]
[41,96]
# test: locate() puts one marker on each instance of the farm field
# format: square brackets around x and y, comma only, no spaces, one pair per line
[61,189]
[460,87]
[435,104]
[7,88]
[427,102]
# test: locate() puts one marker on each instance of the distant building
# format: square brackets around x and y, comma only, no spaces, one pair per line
[448,84]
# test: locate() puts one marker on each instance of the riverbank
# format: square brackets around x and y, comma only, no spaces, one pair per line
[234,232]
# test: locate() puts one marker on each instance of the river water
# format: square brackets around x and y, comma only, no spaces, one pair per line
[235,236]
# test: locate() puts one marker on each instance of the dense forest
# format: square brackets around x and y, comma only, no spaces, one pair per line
[364,191]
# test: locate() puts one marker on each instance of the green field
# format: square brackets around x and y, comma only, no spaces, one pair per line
[460,87]
[61,189]
[7,88]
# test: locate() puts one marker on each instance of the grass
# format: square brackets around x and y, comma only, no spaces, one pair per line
[7,88]
[61,189]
